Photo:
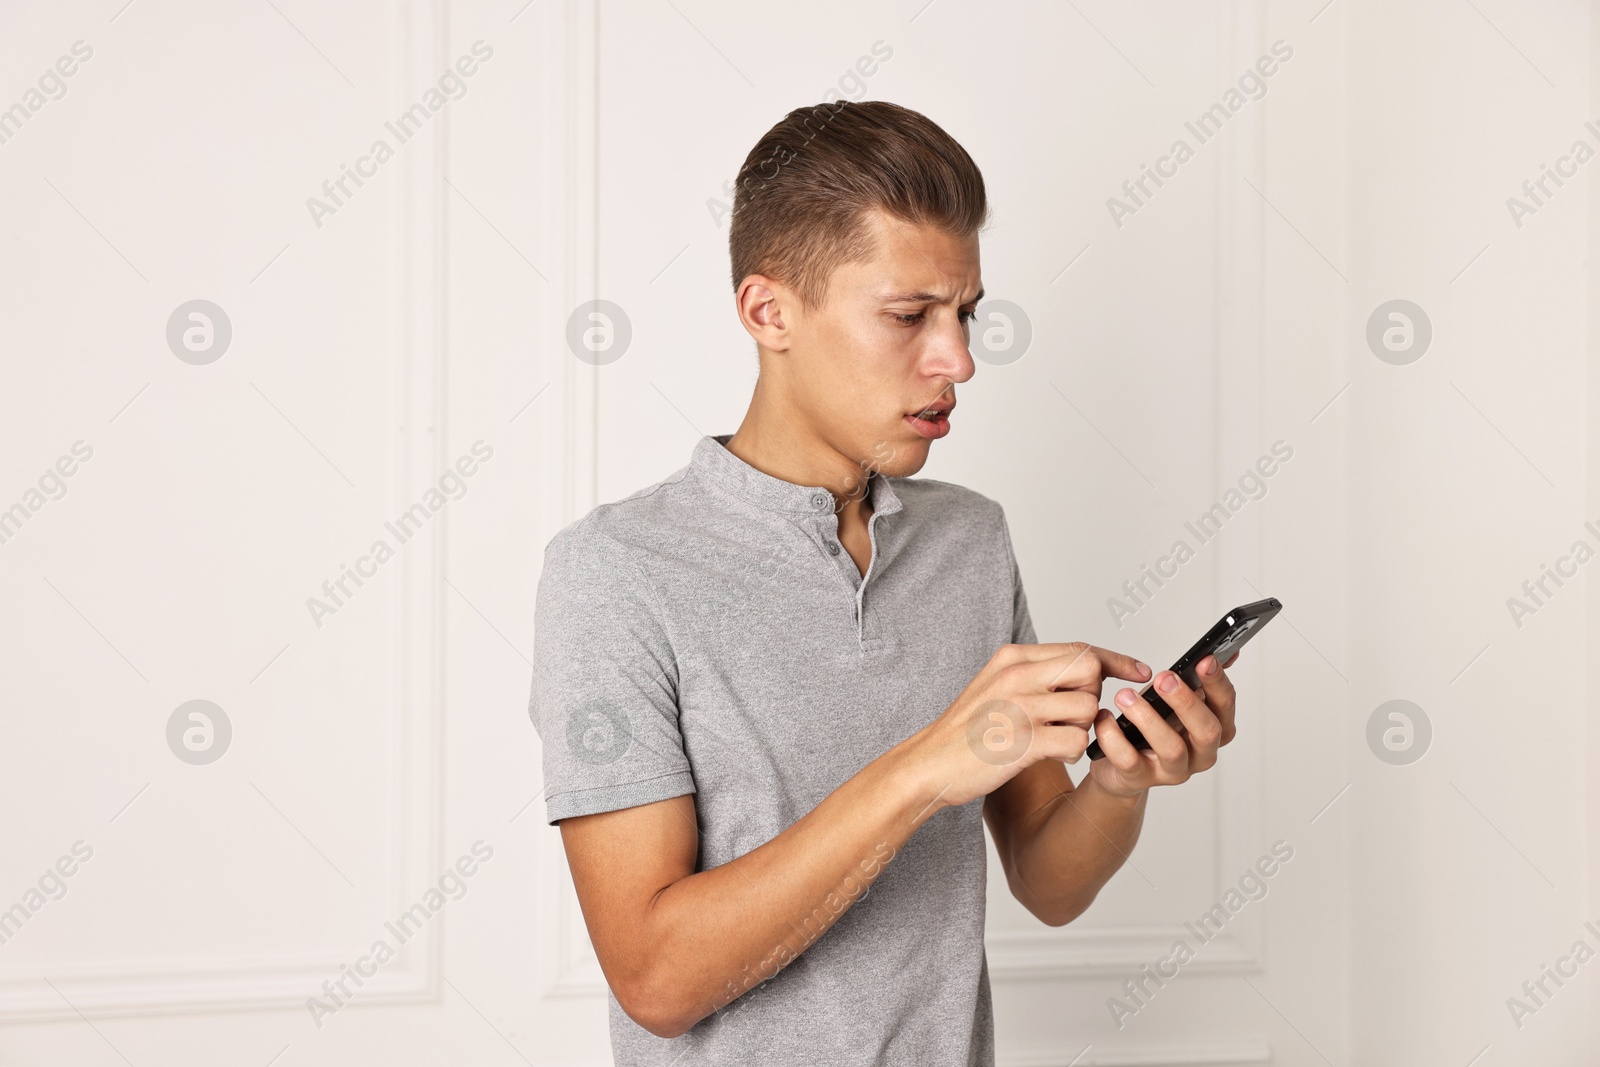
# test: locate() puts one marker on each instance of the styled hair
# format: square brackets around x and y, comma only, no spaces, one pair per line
[803,194]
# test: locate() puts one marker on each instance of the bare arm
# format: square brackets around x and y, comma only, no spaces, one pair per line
[1059,845]
[676,944]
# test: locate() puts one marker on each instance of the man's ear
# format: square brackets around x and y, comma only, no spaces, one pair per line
[765,307]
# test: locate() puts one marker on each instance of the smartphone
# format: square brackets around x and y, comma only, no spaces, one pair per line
[1222,640]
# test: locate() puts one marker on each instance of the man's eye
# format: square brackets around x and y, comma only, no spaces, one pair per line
[963,317]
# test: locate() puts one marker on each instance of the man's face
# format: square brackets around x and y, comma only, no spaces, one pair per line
[889,342]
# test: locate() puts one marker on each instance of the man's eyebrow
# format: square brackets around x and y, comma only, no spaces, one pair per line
[923,298]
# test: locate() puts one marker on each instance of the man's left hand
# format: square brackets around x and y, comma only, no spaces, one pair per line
[1204,724]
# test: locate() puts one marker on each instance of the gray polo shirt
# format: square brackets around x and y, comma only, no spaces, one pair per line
[709,635]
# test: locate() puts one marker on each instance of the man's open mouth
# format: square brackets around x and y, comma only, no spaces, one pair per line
[933,422]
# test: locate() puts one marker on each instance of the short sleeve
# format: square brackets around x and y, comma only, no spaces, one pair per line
[1021,622]
[604,698]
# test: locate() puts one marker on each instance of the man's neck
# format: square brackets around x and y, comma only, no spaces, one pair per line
[773,447]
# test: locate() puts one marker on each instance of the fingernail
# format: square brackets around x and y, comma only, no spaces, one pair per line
[1167,683]
[1125,698]
[1143,667]
[1210,666]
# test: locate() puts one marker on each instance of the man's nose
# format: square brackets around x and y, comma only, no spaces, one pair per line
[950,356]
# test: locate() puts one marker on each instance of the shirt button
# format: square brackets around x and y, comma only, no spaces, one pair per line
[833,548]
[819,501]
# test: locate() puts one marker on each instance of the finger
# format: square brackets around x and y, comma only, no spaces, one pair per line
[1170,749]
[1121,665]
[1084,666]
[1071,707]
[1041,668]
[1049,650]
[1200,724]
[1065,743]
[1220,695]
[1119,751]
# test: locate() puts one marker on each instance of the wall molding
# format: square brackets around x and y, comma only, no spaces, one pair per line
[188,986]
[569,110]
[1065,953]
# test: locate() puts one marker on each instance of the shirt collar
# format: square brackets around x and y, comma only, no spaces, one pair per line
[712,460]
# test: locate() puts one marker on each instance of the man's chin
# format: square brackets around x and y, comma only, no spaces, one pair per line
[900,458]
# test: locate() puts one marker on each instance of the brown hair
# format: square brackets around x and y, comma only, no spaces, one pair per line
[805,188]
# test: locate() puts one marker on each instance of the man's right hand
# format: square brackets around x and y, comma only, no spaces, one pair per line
[1028,703]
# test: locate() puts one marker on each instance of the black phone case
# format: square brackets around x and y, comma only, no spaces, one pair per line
[1222,640]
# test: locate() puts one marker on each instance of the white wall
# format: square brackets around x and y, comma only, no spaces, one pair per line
[586,160]
[1470,470]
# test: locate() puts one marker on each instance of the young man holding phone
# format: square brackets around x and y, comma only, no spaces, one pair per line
[780,692]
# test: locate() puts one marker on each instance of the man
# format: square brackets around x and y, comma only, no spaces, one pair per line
[778,690]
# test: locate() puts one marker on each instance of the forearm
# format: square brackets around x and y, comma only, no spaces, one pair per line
[1074,848]
[717,933]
